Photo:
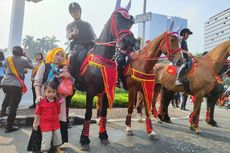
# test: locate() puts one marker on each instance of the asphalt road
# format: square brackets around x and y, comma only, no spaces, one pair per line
[173,138]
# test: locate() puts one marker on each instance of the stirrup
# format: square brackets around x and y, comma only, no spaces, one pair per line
[177,82]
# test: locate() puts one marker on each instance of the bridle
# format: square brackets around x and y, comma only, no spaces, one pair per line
[119,35]
[170,51]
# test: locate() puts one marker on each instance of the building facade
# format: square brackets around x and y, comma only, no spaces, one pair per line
[217,30]
[159,24]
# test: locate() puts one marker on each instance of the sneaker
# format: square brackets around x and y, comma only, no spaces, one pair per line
[11,129]
[177,82]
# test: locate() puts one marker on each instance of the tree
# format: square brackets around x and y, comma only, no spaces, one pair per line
[42,44]
[52,42]
[30,45]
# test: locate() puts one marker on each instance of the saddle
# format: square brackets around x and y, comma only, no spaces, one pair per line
[172,70]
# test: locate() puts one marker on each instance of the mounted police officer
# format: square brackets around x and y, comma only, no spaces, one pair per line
[81,35]
[187,63]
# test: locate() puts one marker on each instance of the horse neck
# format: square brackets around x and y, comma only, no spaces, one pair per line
[105,36]
[218,55]
[148,56]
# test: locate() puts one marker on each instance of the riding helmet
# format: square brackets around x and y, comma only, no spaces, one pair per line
[73,6]
[185,30]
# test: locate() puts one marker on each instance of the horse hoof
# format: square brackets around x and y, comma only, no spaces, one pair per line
[198,131]
[85,147]
[191,126]
[212,123]
[129,131]
[105,141]
[153,136]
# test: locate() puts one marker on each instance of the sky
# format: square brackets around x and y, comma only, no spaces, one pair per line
[50,17]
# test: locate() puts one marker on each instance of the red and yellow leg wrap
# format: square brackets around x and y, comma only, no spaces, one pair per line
[102,124]
[149,127]
[194,119]
[85,130]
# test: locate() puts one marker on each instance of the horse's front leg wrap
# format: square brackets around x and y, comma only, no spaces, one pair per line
[128,121]
[149,127]
[85,130]
[102,124]
[194,119]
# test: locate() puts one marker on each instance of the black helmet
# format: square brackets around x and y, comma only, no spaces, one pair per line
[185,30]
[74,5]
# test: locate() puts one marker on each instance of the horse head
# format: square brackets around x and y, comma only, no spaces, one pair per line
[117,34]
[121,23]
[170,44]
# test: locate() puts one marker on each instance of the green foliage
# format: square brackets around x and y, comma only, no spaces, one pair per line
[120,100]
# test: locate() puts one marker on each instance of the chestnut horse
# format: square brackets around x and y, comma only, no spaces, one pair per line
[202,80]
[139,72]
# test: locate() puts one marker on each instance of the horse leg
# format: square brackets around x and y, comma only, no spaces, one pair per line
[194,116]
[139,106]
[166,97]
[84,140]
[99,105]
[211,102]
[102,130]
[154,110]
[149,128]
[132,98]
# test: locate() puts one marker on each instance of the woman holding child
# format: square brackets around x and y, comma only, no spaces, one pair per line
[51,71]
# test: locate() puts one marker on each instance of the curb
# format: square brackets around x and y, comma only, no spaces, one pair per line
[28,120]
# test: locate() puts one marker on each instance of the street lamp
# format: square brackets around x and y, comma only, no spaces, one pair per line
[144,11]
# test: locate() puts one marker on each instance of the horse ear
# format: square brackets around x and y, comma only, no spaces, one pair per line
[128,5]
[178,29]
[118,4]
[171,26]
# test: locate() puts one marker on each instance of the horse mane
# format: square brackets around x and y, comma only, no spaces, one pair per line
[149,50]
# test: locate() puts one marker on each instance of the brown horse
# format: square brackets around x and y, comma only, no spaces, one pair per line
[201,80]
[139,72]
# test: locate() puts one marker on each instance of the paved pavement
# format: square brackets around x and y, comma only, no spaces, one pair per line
[173,138]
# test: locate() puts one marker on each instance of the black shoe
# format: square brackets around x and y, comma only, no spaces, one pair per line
[11,129]
[32,106]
